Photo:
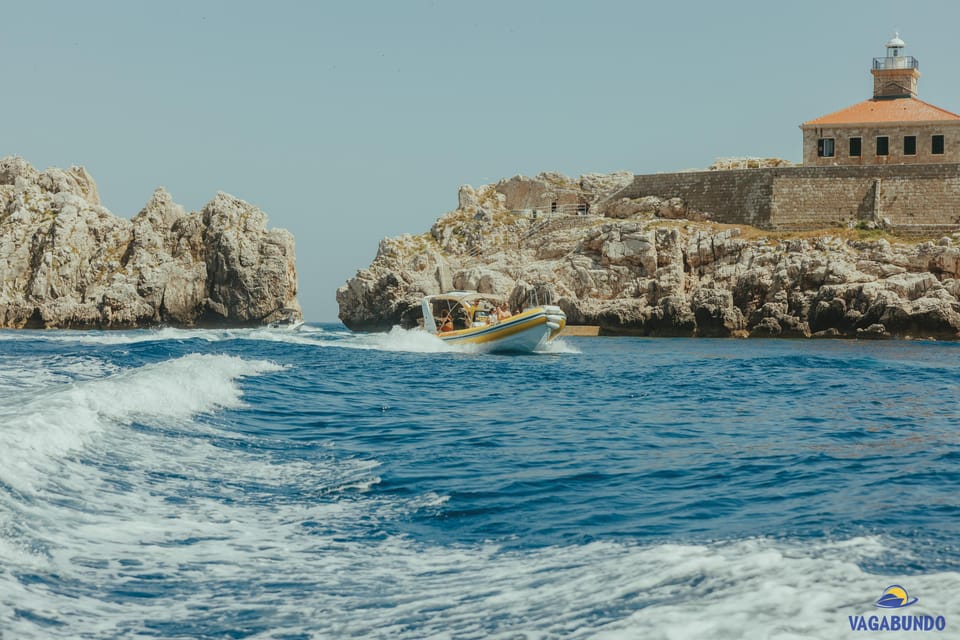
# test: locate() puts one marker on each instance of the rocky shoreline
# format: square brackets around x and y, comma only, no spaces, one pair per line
[652,267]
[67,262]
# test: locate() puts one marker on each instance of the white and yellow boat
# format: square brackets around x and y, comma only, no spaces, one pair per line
[473,322]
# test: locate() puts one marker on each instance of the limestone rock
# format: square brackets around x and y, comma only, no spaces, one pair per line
[67,262]
[626,266]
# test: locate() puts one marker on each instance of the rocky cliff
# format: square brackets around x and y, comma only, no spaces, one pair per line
[67,262]
[646,266]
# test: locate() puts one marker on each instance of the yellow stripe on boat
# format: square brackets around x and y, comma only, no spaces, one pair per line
[523,332]
[503,329]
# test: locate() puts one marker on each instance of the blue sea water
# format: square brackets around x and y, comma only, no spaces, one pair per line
[322,484]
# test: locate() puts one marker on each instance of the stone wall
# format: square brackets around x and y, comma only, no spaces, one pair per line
[741,196]
[814,197]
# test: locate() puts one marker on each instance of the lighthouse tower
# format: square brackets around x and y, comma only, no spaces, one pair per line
[895,75]
[892,127]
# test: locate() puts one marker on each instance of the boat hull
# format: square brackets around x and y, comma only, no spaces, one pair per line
[521,333]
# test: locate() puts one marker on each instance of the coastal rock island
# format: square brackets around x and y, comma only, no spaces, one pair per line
[658,267]
[67,262]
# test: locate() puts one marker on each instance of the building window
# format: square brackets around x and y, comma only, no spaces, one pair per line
[936,145]
[909,145]
[855,144]
[825,148]
[883,146]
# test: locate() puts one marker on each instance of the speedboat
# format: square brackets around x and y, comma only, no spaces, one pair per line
[471,318]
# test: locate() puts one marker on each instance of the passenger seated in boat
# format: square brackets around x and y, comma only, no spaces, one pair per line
[503,312]
[446,323]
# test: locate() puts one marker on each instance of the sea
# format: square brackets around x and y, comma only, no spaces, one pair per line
[319,483]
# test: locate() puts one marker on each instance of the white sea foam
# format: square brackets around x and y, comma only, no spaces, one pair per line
[33,372]
[137,336]
[217,532]
[558,345]
[398,339]
[106,529]
[47,424]
[118,337]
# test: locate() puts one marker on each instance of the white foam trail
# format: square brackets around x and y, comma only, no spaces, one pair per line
[39,372]
[136,336]
[53,422]
[334,587]
[310,329]
[119,337]
[213,532]
[398,339]
[558,345]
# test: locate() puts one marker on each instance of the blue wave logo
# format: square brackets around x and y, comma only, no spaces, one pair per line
[894,597]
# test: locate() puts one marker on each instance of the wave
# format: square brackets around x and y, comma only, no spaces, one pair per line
[52,422]
[140,509]
[230,570]
[37,372]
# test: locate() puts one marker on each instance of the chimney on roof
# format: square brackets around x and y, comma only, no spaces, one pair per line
[895,75]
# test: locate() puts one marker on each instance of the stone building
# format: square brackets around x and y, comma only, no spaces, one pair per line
[893,127]
[891,161]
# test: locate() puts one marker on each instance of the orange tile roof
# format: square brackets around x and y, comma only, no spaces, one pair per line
[895,110]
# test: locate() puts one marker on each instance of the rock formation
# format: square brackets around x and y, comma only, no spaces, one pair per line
[67,262]
[651,267]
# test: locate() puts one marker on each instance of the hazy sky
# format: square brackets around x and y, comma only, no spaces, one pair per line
[350,121]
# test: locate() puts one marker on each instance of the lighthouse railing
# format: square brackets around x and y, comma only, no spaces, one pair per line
[896,62]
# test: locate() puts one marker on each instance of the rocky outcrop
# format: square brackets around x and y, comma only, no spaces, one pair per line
[67,262]
[635,272]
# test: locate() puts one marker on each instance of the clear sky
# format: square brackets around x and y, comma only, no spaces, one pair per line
[350,121]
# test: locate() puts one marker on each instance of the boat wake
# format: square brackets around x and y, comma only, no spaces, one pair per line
[43,425]
[395,340]
[558,345]
[151,501]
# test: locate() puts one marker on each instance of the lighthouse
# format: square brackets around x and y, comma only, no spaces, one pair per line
[892,127]
[895,75]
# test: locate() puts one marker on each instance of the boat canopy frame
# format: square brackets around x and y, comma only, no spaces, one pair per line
[468,302]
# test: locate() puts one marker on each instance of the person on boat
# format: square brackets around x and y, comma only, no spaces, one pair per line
[503,312]
[446,323]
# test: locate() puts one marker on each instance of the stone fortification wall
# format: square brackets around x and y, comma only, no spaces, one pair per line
[902,195]
[738,196]
[814,197]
